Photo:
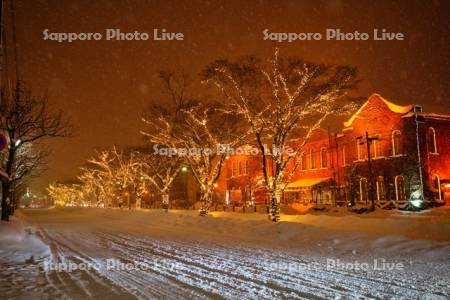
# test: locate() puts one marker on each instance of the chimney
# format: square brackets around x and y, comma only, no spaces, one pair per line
[417,108]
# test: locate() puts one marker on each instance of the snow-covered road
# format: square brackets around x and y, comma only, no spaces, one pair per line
[130,262]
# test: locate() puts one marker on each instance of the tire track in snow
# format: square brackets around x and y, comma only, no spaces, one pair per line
[133,282]
[320,281]
[205,271]
[79,284]
[212,278]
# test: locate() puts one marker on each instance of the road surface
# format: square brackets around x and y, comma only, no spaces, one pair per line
[106,258]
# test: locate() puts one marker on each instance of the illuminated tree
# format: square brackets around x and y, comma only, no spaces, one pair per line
[66,195]
[192,130]
[281,100]
[160,171]
[112,170]
[97,185]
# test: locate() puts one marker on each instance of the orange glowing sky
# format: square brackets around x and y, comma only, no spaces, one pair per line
[104,85]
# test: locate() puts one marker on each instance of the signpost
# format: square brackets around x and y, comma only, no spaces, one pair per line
[3,142]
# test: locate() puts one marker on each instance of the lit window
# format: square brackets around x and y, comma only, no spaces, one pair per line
[375,148]
[432,140]
[400,188]
[241,168]
[234,169]
[360,147]
[381,191]
[323,158]
[397,146]
[303,165]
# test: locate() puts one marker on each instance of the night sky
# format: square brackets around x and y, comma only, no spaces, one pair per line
[105,85]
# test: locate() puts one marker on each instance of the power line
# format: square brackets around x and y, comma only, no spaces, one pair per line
[14,38]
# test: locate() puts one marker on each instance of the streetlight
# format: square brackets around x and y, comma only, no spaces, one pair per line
[184,170]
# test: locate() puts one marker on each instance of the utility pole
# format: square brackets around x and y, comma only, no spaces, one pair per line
[2,65]
[368,141]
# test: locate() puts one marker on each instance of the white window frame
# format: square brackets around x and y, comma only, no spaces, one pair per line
[439,184]
[435,151]
[378,188]
[358,150]
[375,150]
[394,150]
[344,158]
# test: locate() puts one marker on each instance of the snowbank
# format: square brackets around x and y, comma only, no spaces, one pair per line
[19,243]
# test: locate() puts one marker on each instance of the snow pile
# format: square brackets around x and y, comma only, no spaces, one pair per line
[20,244]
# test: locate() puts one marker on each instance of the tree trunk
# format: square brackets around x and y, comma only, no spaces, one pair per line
[6,185]
[5,201]
[205,202]
[165,201]
[275,198]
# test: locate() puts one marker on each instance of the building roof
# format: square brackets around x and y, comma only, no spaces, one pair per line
[435,116]
[399,109]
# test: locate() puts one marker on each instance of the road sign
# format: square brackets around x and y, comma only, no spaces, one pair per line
[3,142]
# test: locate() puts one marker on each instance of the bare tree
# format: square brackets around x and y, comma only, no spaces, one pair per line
[162,121]
[160,171]
[113,170]
[281,100]
[25,120]
[193,130]
[66,194]
[98,184]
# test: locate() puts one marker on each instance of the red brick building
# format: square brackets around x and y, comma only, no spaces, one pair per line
[409,160]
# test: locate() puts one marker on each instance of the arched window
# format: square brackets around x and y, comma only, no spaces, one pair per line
[397,146]
[241,167]
[432,140]
[313,159]
[437,185]
[400,188]
[376,151]
[234,169]
[363,194]
[303,165]
[323,158]
[381,191]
